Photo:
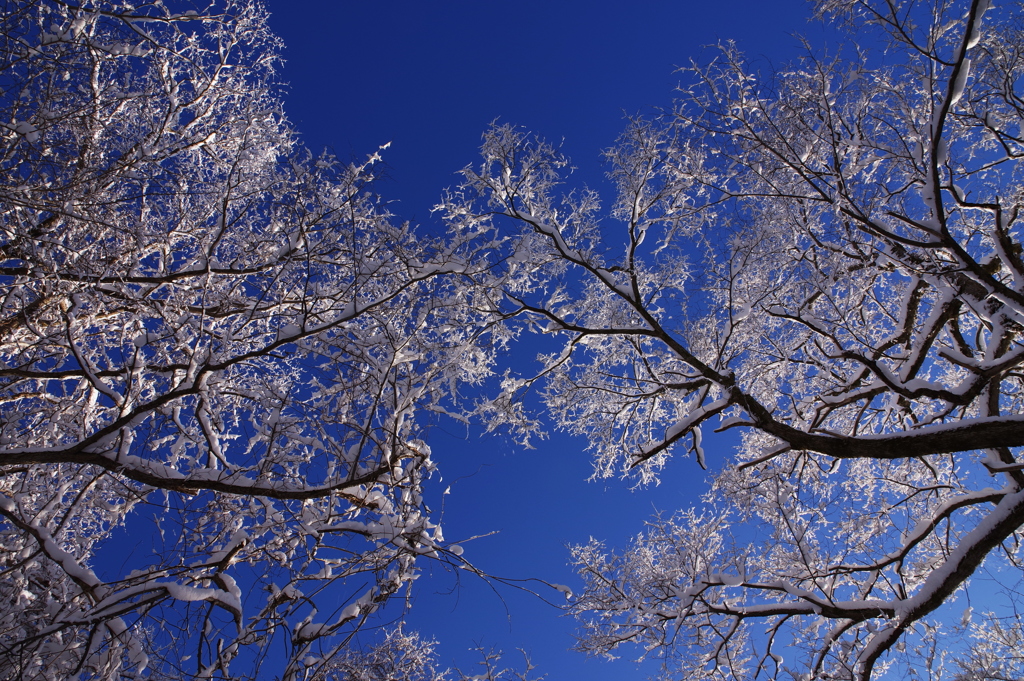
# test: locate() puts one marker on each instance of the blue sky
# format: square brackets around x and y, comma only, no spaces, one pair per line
[429,77]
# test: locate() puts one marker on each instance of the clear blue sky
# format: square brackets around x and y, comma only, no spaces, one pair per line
[429,77]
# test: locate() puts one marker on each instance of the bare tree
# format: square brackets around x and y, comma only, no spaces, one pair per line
[202,327]
[828,258]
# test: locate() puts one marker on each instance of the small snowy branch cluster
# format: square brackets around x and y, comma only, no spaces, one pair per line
[205,329]
[406,656]
[827,258]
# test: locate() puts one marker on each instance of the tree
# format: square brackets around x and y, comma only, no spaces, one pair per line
[997,655]
[827,258]
[495,670]
[407,656]
[204,328]
[401,656]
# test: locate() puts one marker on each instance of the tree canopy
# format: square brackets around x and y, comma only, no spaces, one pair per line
[208,330]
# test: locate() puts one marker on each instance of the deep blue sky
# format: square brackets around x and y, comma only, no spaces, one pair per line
[429,77]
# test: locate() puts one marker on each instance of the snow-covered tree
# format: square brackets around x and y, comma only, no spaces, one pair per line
[827,259]
[400,656]
[407,656]
[998,654]
[492,668]
[216,353]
